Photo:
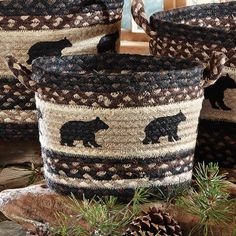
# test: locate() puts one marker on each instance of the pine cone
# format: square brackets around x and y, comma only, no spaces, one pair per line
[152,223]
[41,230]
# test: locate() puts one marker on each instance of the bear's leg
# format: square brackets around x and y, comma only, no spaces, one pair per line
[147,139]
[222,105]
[170,138]
[155,140]
[213,104]
[176,137]
[92,141]
[68,142]
[86,143]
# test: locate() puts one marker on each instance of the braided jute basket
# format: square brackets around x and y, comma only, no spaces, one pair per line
[206,33]
[111,123]
[30,29]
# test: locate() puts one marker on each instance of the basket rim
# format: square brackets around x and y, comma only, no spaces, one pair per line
[160,17]
[39,64]
[67,9]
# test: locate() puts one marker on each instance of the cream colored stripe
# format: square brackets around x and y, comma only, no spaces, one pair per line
[210,113]
[18,116]
[115,184]
[126,128]
[84,40]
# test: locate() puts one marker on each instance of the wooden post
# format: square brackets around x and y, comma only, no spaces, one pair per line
[171,4]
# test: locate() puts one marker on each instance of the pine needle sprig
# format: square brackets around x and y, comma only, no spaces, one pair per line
[102,216]
[210,200]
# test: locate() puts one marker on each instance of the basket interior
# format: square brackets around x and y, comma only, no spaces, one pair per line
[215,15]
[55,7]
[110,64]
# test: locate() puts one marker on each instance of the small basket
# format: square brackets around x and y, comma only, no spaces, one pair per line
[206,33]
[112,123]
[31,29]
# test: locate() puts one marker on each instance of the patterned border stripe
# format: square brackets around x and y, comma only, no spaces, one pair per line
[122,194]
[121,99]
[183,48]
[11,23]
[55,7]
[119,184]
[116,169]
[64,157]
[18,116]
[13,95]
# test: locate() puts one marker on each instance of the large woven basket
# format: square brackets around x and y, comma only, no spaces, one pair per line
[29,29]
[206,33]
[112,123]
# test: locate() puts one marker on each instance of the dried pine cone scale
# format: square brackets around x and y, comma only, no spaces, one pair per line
[154,222]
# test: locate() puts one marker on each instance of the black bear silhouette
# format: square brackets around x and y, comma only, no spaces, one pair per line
[163,126]
[108,43]
[215,92]
[53,48]
[80,130]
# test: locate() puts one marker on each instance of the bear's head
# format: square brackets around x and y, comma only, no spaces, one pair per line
[66,42]
[228,82]
[181,116]
[100,125]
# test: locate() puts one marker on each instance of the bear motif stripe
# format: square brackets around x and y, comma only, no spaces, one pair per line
[120,131]
[223,97]
[20,42]
[217,125]
[123,183]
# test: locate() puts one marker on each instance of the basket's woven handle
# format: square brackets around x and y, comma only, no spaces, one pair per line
[215,68]
[140,17]
[21,73]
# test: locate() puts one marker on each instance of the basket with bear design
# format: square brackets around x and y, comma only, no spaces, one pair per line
[206,33]
[30,29]
[112,123]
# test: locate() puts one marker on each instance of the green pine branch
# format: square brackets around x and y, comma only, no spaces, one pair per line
[210,200]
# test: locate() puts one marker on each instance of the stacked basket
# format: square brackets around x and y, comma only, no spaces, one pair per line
[205,33]
[29,29]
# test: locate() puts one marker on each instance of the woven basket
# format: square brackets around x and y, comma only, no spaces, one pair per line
[206,33]
[112,123]
[30,29]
